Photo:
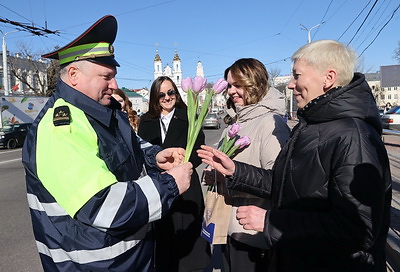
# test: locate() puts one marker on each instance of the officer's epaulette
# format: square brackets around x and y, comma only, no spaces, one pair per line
[61,116]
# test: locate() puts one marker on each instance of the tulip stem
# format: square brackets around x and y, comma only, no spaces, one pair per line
[195,128]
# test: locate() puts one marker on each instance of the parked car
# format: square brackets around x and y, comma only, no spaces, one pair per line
[13,135]
[391,119]
[212,121]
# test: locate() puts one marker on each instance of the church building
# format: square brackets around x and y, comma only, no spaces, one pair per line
[174,72]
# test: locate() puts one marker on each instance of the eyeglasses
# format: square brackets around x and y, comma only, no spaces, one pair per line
[170,93]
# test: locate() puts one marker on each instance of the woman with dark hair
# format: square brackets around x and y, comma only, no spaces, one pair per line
[179,246]
[126,106]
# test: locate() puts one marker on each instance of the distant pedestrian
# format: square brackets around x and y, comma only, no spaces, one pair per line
[388,107]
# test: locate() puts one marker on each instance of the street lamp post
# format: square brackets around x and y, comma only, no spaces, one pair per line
[5,66]
[309,30]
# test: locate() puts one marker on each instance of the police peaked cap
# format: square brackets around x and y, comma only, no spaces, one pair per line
[95,44]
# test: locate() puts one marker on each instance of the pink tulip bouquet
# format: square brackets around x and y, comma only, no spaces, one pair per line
[193,87]
[232,141]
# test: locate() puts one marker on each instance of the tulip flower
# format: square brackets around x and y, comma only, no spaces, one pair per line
[186,84]
[234,130]
[220,85]
[193,88]
[199,83]
[232,141]
[243,141]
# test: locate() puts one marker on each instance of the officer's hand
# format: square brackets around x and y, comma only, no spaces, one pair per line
[170,157]
[182,174]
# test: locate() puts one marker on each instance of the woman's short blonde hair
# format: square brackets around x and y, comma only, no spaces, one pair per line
[329,54]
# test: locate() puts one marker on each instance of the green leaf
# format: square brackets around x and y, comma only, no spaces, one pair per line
[232,150]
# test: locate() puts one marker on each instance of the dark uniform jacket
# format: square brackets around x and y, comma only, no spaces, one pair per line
[330,187]
[179,246]
[90,195]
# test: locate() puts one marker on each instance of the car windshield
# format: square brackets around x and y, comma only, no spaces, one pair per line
[393,110]
[6,128]
[212,116]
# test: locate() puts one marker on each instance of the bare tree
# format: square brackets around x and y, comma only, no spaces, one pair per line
[363,67]
[53,70]
[379,94]
[397,53]
[274,72]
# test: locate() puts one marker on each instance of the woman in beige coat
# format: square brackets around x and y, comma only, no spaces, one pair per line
[259,111]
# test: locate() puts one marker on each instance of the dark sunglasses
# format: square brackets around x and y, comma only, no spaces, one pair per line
[170,93]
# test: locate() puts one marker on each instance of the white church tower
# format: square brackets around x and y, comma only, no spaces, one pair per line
[177,70]
[199,69]
[174,72]
[158,71]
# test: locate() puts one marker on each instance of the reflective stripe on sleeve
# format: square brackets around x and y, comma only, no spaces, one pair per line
[51,209]
[153,197]
[145,145]
[111,205]
[87,256]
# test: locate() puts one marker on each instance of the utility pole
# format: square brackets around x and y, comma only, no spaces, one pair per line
[5,66]
[309,30]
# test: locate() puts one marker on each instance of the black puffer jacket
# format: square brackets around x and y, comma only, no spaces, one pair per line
[330,186]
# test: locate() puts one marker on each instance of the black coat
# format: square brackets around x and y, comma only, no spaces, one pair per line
[179,246]
[330,187]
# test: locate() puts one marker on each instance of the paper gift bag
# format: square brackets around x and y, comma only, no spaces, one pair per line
[216,218]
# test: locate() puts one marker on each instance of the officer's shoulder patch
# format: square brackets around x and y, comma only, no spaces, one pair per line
[61,116]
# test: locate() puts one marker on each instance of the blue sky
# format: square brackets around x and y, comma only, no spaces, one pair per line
[215,32]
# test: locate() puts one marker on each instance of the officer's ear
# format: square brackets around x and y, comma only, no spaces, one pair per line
[73,74]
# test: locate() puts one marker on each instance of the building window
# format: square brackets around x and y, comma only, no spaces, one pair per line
[395,88]
[395,96]
[382,97]
[389,96]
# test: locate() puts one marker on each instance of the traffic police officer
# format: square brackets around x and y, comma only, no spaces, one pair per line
[93,185]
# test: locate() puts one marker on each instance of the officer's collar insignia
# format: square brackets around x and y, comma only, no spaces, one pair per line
[61,116]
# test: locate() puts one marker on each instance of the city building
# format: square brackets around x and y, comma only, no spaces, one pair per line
[390,84]
[139,102]
[26,76]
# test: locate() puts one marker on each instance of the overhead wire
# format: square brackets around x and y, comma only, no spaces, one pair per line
[355,19]
[16,13]
[391,17]
[377,24]
[366,17]
[323,17]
